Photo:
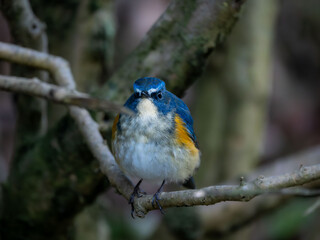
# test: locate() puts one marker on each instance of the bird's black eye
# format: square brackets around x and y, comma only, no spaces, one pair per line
[159,95]
[137,94]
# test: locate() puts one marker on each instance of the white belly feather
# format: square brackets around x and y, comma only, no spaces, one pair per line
[146,148]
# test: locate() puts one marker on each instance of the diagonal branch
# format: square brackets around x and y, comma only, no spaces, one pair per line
[177,46]
[60,69]
[36,88]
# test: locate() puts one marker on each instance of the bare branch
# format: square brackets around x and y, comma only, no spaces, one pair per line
[225,217]
[242,192]
[57,66]
[35,87]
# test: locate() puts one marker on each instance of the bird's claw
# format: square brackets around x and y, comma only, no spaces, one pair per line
[136,193]
[156,199]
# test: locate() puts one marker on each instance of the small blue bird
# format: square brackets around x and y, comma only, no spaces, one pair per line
[158,142]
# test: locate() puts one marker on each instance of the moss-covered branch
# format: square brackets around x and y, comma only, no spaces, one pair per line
[177,46]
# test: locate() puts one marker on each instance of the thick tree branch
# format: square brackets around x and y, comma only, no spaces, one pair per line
[36,88]
[177,46]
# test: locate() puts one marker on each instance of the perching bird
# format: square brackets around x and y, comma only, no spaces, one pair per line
[158,142]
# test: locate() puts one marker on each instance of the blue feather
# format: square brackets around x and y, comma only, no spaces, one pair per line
[147,83]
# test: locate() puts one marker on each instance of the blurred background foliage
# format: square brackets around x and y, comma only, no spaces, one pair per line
[257,100]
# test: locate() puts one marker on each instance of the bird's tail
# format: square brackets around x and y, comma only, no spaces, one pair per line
[189,183]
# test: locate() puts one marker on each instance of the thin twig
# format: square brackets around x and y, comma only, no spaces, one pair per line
[35,87]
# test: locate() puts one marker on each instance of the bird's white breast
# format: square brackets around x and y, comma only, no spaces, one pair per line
[145,146]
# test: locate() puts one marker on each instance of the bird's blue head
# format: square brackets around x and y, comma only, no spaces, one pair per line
[155,91]
[149,88]
[148,85]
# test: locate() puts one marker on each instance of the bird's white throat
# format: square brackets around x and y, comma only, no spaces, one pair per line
[147,109]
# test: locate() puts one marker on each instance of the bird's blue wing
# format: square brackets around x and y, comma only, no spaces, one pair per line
[183,111]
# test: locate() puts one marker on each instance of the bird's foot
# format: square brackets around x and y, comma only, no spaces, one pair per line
[156,198]
[136,193]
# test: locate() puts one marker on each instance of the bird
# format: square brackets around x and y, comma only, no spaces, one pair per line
[156,143]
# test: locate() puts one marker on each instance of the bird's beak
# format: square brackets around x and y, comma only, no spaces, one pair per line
[144,94]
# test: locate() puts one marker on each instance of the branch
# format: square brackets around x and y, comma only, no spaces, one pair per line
[177,46]
[243,192]
[25,27]
[35,87]
[57,66]
[28,31]
[223,218]
[60,69]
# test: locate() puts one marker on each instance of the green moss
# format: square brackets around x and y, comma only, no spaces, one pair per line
[53,179]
